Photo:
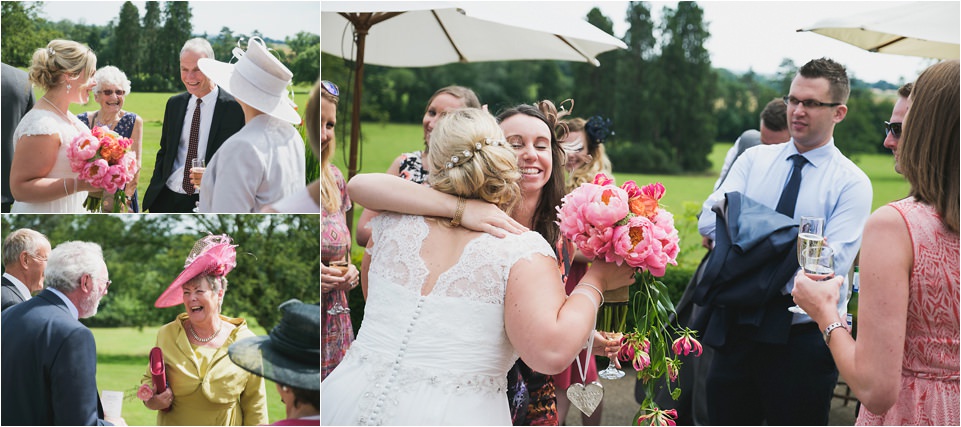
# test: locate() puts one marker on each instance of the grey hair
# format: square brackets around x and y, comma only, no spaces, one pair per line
[199,45]
[111,75]
[22,240]
[69,261]
[216,283]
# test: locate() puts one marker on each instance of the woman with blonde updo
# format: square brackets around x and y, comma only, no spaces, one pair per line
[40,176]
[449,309]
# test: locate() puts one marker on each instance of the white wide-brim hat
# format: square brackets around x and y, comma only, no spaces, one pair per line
[258,79]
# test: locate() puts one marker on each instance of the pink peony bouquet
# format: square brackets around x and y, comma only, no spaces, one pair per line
[626,224]
[103,159]
[620,224]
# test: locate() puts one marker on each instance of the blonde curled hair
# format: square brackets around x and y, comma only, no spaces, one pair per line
[489,173]
[330,196]
[51,66]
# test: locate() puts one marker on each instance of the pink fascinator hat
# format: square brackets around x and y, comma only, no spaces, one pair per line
[212,255]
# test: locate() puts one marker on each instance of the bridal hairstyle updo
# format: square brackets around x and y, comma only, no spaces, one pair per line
[51,66]
[469,158]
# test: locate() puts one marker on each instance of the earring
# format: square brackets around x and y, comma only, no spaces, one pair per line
[68,87]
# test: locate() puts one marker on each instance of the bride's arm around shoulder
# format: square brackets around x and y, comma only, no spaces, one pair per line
[546,327]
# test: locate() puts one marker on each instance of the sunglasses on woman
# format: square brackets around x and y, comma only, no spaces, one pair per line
[330,87]
[110,92]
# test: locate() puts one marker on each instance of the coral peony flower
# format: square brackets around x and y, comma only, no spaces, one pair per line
[83,148]
[602,179]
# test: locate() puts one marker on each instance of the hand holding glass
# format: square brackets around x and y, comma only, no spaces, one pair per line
[818,264]
[338,308]
[612,322]
[197,169]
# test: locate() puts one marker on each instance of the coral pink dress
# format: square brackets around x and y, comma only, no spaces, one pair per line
[335,243]
[929,373]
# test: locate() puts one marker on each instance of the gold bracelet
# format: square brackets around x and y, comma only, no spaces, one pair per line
[461,203]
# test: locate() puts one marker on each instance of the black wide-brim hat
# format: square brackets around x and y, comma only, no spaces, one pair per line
[290,354]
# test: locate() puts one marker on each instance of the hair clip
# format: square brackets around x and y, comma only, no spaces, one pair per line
[51,51]
[463,156]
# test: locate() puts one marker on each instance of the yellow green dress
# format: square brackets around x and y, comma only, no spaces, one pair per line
[208,388]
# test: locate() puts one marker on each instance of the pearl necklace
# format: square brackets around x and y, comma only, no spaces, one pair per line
[109,125]
[65,115]
[193,333]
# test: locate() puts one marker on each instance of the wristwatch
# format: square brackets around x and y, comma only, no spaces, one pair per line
[827,331]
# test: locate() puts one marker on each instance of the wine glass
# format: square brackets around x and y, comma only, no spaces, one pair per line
[818,264]
[197,166]
[612,322]
[338,308]
[810,234]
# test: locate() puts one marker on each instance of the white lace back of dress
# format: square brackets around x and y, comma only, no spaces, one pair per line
[480,274]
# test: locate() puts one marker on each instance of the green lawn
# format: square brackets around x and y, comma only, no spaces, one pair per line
[381,143]
[122,362]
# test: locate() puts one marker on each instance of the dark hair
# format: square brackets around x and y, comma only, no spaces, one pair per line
[545,214]
[774,115]
[836,75]
[928,151]
[905,91]
[304,397]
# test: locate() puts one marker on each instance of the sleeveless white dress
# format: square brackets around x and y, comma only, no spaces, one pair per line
[439,359]
[43,122]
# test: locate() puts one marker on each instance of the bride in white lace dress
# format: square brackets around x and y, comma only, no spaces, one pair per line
[40,176]
[449,310]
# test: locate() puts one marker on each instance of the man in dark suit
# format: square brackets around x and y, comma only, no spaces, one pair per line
[25,255]
[190,130]
[52,367]
[17,100]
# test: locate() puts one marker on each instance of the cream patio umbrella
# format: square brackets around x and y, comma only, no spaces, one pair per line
[424,34]
[927,29]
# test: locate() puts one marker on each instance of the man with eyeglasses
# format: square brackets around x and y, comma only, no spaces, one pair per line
[25,255]
[49,358]
[771,366]
[892,128]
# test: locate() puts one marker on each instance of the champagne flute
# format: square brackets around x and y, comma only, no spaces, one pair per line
[612,322]
[338,308]
[197,166]
[818,264]
[810,234]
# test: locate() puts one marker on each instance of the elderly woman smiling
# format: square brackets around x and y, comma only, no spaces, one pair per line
[204,386]
[110,91]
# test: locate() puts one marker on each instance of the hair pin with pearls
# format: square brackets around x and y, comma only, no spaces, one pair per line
[462,157]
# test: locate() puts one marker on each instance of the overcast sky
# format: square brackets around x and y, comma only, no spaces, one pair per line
[760,35]
[274,19]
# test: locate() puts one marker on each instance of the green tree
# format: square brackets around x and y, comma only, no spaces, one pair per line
[226,42]
[689,87]
[593,87]
[306,62]
[127,33]
[176,31]
[23,31]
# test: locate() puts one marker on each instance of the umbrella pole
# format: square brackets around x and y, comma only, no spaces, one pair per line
[355,107]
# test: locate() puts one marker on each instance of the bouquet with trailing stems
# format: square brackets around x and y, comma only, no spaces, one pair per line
[626,224]
[103,159]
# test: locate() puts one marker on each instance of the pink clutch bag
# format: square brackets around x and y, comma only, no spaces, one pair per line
[157,370]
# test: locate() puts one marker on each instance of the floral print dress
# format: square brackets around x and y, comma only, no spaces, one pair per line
[335,244]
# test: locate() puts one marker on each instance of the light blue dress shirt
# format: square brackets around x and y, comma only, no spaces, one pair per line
[832,187]
[70,306]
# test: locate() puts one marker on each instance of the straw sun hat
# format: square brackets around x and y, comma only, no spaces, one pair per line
[258,79]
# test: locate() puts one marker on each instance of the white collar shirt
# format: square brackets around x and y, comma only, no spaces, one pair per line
[832,187]
[70,306]
[19,285]
[175,181]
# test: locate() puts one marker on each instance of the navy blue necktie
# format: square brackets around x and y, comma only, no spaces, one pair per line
[788,200]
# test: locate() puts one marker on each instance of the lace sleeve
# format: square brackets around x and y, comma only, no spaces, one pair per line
[39,123]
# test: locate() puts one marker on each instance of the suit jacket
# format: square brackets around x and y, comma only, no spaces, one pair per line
[49,367]
[755,254]
[17,99]
[10,295]
[227,120]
